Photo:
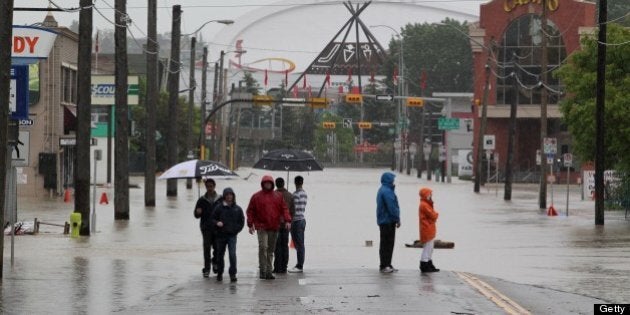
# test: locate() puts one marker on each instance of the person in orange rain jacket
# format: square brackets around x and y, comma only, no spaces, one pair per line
[428,216]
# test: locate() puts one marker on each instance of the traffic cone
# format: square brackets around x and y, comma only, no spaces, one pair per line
[104,199]
[67,196]
[291,244]
[552,211]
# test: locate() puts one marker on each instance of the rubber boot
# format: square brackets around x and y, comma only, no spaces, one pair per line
[432,267]
[424,266]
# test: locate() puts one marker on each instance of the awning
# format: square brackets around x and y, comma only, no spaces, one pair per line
[72,109]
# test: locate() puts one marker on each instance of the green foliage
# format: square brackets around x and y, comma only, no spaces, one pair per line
[580,77]
[345,139]
[138,115]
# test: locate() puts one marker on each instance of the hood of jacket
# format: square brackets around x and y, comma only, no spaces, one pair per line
[387,179]
[267,178]
[424,193]
[227,191]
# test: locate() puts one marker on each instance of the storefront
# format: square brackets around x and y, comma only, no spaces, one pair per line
[511,34]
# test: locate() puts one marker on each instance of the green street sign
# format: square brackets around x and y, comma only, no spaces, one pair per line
[448,123]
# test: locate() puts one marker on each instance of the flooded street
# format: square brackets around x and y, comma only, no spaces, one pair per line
[127,263]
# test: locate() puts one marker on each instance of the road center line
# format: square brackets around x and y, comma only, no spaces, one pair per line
[493,294]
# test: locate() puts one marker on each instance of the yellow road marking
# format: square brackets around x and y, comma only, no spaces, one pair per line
[493,294]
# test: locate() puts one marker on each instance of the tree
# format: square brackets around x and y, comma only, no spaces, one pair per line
[578,108]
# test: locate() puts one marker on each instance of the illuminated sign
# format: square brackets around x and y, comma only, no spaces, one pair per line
[31,42]
[509,5]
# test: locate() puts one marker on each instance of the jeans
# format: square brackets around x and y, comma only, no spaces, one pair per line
[222,242]
[208,245]
[266,247]
[297,235]
[282,251]
[386,247]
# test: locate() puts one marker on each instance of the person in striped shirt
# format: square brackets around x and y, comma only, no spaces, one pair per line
[299,223]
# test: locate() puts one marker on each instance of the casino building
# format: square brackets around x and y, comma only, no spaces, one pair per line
[510,31]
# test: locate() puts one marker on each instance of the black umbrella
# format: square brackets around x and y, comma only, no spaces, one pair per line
[288,160]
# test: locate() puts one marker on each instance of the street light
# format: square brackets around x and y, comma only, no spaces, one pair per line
[225,22]
[401,90]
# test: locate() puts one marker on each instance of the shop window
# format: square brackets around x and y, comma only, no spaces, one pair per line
[520,52]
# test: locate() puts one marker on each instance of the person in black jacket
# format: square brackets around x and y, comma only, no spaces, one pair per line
[203,211]
[228,220]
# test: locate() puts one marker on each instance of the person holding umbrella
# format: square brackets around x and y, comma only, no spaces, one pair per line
[203,211]
[281,254]
[265,212]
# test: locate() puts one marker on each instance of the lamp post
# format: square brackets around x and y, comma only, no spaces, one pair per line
[402,121]
[225,22]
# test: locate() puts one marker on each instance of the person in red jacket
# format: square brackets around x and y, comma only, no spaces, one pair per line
[266,211]
[428,216]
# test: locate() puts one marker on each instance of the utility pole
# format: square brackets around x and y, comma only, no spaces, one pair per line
[600,102]
[224,121]
[191,105]
[84,106]
[204,92]
[482,127]
[542,196]
[150,106]
[507,195]
[173,95]
[6,28]
[215,101]
[121,164]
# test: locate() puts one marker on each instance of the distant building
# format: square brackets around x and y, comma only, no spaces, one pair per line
[514,31]
[51,138]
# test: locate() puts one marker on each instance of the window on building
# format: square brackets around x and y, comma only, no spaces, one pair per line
[69,85]
[520,52]
[33,84]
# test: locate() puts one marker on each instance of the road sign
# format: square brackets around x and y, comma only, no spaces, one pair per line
[568,159]
[18,101]
[385,97]
[488,142]
[448,123]
[294,102]
[550,146]
[347,122]
[19,156]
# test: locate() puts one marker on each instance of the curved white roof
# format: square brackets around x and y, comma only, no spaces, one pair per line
[298,32]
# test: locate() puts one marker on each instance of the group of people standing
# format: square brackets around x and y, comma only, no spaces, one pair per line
[272,214]
[388,220]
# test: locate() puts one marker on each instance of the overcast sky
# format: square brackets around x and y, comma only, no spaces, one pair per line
[196,12]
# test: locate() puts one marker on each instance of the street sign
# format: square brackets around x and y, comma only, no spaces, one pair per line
[568,159]
[488,142]
[18,101]
[26,122]
[448,123]
[550,146]
[347,122]
[19,156]
[294,102]
[385,97]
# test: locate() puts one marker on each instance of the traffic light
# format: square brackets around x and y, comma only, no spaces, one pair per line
[262,100]
[319,102]
[415,102]
[365,125]
[329,124]
[354,98]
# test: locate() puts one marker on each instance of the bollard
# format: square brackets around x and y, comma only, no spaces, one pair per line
[75,224]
